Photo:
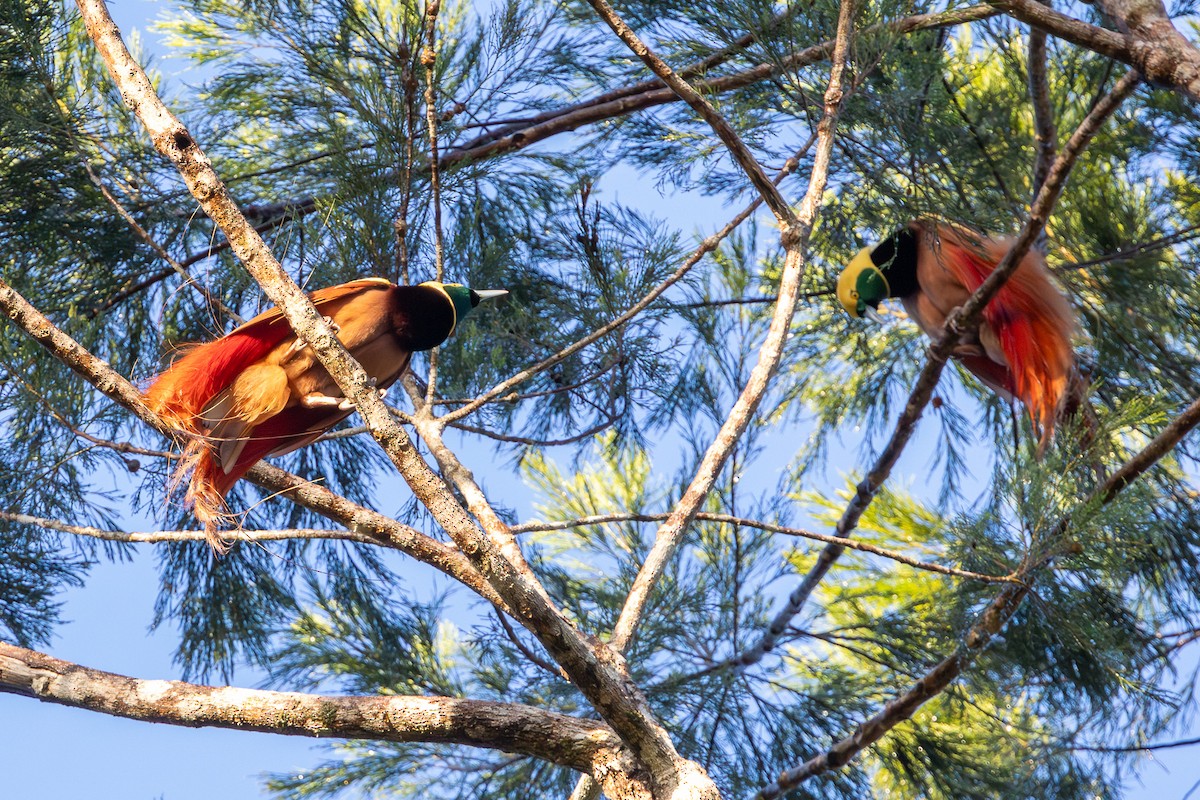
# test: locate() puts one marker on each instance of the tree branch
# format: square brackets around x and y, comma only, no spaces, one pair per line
[795,237]
[1045,132]
[990,622]
[594,669]
[1151,44]
[1158,50]
[511,727]
[649,94]
[957,323]
[388,532]
[158,537]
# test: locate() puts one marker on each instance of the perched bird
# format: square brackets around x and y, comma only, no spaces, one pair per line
[258,391]
[1022,347]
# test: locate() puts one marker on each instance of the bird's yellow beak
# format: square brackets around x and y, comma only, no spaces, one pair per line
[862,287]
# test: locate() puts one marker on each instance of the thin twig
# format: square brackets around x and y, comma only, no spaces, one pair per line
[131,289]
[157,537]
[990,622]
[729,519]
[957,323]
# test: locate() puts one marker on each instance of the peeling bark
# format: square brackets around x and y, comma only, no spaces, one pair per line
[512,727]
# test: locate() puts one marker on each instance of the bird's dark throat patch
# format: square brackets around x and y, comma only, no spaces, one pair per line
[896,257]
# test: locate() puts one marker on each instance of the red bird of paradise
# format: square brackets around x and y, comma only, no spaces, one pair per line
[1023,345]
[258,391]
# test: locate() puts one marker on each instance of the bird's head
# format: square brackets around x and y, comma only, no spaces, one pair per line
[462,298]
[862,287]
[879,271]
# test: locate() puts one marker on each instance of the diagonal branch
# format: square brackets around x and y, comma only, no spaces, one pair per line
[594,669]
[958,322]
[990,622]
[580,744]
[796,231]
[1044,129]
[387,532]
[733,143]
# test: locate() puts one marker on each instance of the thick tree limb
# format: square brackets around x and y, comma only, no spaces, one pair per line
[511,727]
[990,622]
[386,531]
[1150,44]
[961,320]
[1158,50]
[596,670]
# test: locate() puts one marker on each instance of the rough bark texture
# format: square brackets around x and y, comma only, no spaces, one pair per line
[1149,42]
[511,727]
[593,667]
[1157,49]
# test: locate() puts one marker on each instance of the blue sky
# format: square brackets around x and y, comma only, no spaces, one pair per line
[54,752]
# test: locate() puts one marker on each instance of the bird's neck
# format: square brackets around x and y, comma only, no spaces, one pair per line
[422,317]
[896,258]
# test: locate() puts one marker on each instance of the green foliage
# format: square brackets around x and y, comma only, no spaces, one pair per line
[314,113]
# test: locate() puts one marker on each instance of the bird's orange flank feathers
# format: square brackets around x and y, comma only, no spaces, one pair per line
[1030,317]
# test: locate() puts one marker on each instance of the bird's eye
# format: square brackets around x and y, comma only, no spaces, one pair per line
[853,295]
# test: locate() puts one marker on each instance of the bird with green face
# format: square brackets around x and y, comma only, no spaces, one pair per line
[259,392]
[1022,347]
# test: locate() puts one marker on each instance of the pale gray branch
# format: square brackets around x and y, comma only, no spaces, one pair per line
[957,323]
[990,622]
[511,727]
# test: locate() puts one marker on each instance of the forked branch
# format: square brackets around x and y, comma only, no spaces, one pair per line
[957,323]
[990,622]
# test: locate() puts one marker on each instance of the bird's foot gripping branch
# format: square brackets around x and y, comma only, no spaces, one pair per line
[259,391]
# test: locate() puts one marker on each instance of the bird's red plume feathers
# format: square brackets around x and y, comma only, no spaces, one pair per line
[1031,318]
[204,370]
[180,394]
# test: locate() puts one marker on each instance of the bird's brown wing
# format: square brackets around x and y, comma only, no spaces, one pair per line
[273,317]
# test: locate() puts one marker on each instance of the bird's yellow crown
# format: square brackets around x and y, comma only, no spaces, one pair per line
[862,284]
